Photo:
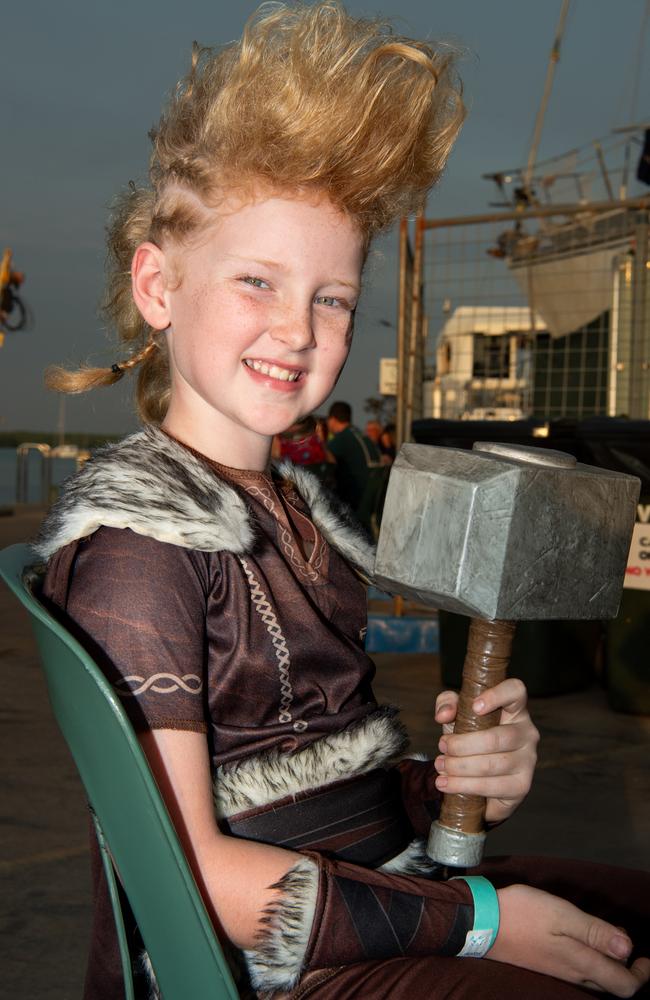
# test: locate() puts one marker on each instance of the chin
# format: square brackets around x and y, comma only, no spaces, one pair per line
[270,424]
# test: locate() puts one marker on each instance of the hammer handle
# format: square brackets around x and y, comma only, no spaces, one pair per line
[486,664]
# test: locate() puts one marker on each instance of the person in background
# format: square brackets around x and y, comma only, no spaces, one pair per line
[373,430]
[387,443]
[303,444]
[360,472]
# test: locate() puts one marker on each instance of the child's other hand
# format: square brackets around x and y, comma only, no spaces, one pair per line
[497,763]
[546,934]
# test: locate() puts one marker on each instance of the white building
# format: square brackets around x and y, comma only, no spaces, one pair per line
[483,364]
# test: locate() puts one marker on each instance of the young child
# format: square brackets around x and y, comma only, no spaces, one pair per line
[220,594]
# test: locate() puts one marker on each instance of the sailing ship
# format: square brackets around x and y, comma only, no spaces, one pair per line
[575,240]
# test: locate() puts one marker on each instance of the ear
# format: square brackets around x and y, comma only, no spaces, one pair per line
[148,285]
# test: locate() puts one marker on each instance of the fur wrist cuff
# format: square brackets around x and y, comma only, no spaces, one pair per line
[278,960]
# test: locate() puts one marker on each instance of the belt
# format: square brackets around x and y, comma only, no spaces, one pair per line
[361,820]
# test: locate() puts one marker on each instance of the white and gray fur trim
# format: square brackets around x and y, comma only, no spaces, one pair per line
[277,961]
[143,964]
[413,860]
[331,518]
[378,740]
[153,485]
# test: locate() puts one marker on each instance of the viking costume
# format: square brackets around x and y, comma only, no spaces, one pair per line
[229,603]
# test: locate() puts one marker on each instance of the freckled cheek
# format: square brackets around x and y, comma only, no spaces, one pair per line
[215,328]
[334,355]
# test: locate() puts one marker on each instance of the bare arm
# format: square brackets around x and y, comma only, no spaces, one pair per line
[233,875]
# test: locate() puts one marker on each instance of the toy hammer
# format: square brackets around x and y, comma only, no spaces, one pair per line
[501,533]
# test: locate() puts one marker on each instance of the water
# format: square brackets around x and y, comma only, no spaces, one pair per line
[61,469]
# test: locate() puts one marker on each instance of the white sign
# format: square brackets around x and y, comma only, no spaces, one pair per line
[637,574]
[388,376]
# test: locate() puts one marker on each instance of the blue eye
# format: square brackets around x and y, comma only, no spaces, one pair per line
[327,300]
[255,282]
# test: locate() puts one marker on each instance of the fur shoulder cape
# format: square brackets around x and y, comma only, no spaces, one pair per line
[153,485]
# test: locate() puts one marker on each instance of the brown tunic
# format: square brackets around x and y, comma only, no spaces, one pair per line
[259,651]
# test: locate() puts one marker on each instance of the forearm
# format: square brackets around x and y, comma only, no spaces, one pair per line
[235,878]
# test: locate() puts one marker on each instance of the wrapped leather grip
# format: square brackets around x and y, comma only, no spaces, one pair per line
[486,663]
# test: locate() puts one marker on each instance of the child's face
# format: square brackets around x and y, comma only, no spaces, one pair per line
[261,320]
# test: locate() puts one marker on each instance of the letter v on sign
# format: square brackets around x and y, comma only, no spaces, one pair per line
[643,513]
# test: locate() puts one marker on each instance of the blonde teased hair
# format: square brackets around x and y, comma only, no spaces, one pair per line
[309,99]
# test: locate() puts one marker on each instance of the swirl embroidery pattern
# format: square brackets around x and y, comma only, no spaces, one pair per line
[266,613]
[191,683]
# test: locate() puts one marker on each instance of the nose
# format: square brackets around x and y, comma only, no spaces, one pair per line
[294,327]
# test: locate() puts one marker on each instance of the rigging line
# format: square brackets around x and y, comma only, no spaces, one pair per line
[575,151]
[638,61]
[609,144]
[635,94]
[550,73]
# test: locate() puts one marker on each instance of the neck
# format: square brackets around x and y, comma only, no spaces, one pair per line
[239,450]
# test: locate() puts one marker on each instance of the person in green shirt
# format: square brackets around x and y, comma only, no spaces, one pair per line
[360,473]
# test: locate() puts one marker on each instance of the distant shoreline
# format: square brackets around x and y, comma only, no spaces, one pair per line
[11,439]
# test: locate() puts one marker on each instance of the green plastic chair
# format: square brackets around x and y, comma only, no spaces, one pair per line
[135,833]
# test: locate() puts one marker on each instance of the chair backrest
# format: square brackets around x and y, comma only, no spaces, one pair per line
[175,927]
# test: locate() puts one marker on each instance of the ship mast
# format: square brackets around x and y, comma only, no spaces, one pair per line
[554,58]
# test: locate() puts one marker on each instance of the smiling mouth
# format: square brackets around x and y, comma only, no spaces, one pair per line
[273,371]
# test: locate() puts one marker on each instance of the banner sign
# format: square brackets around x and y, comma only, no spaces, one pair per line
[637,574]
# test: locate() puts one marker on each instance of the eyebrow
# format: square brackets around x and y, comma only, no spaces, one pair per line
[278,266]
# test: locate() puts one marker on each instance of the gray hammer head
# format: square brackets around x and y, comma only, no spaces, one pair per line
[505,531]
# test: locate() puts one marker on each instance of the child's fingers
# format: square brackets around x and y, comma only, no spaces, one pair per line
[598,934]
[641,970]
[499,739]
[506,788]
[603,949]
[510,695]
[483,765]
[596,970]
[496,763]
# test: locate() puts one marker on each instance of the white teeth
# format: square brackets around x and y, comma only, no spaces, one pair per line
[283,374]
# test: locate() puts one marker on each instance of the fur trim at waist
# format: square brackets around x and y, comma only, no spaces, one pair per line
[378,740]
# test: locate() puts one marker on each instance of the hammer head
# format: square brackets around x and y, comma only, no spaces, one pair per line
[506,532]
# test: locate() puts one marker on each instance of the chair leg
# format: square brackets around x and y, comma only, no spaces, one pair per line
[109,870]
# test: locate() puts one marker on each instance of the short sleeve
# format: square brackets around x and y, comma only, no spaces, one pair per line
[138,605]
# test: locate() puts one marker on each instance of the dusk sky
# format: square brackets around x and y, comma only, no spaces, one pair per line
[82,83]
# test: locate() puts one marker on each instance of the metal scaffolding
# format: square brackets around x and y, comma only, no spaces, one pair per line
[542,311]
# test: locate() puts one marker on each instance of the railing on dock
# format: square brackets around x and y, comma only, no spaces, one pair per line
[47,454]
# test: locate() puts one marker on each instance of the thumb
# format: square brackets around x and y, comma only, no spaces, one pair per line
[446,705]
[602,937]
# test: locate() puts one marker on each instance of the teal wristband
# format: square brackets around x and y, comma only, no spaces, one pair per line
[486,917]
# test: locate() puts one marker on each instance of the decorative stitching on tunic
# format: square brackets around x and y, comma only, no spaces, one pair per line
[305,570]
[266,613]
[308,570]
[175,683]
[265,494]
